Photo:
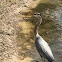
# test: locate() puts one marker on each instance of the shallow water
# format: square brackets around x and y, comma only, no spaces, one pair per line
[50,29]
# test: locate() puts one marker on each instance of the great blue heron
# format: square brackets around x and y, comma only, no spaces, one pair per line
[41,45]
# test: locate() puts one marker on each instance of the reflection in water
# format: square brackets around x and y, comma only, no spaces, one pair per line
[50,30]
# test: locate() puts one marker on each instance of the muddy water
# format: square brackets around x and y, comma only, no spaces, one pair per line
[50,30]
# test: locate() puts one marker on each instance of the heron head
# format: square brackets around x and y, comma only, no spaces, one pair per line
[38,15]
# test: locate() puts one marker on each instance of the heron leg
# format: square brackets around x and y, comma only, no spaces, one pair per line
[42,58]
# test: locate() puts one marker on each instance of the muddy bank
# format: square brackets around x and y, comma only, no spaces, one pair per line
[10,12]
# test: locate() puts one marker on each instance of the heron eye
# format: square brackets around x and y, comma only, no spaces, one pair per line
[38,14]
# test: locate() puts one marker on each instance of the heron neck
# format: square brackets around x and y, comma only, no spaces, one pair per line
[37,27]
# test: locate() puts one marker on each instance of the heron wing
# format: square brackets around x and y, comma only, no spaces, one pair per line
[43,48]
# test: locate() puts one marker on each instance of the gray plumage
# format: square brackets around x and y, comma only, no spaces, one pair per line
[41,45]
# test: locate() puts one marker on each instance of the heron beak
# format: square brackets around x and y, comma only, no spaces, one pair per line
[34,15]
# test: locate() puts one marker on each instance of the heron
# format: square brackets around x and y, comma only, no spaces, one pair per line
[41,45]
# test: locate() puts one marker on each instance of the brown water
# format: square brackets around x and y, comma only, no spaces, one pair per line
[50,30]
